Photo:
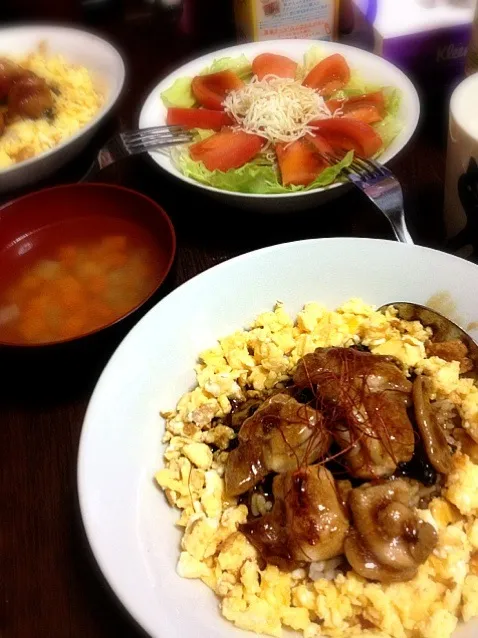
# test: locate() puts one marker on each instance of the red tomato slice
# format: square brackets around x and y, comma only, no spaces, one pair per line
[320,143]
[368,108]
[210,90]
[270,63]
[298,163]
[346,134]
[198,118]
[227,149]
[329,75]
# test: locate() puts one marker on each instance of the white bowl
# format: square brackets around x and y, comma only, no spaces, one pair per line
[128,523]
[372,68]
[107,69]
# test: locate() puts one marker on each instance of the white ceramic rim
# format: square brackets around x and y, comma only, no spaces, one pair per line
[104,110]
[242,48]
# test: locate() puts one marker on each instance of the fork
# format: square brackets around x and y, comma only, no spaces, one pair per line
[382,188]
[130,143]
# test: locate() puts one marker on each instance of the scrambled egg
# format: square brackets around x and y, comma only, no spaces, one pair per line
[335,605]
[75,103]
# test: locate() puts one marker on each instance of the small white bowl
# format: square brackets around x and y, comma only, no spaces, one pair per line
[372,68]
[107,70]
[129,524]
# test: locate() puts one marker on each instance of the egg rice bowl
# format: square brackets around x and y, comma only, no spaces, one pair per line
[425,580]
[75,101]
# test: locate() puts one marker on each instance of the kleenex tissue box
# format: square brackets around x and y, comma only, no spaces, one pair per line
[428,39]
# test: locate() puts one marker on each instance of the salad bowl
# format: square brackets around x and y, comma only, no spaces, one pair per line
[248,192]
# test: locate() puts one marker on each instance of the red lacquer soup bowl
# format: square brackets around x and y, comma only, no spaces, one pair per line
[77,259]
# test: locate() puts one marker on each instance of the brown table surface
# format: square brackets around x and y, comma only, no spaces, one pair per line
[51,586]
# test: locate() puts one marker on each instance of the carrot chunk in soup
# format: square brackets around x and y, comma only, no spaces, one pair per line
[79,289]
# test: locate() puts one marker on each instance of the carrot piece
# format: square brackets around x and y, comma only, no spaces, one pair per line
[30,282]
[67,255]
[32,325]
[101,312]
[39,303]
[114,242]
[114,259]
[96,284]
[73,326]
[70,292]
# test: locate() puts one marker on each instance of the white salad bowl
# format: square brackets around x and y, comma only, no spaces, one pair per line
[130,526]
[373,69]
[86,49]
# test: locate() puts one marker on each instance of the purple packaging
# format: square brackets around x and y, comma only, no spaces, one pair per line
[428,39]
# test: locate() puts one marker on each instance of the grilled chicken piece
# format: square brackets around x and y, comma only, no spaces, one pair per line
[364,399]
[29,97]
[280,436]
[307,523]
[9,72]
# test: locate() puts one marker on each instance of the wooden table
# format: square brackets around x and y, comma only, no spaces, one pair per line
[50,586]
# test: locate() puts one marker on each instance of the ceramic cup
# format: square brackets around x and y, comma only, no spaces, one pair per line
[461,183]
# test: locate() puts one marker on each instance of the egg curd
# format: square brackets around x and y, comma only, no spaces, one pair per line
[317,601]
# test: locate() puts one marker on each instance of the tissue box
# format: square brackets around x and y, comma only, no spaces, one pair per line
[428,39]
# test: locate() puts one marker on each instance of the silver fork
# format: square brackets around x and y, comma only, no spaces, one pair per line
[382,188]
[130,143]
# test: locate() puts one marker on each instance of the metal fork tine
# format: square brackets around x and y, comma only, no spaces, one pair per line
[153,129]
[376,167]
[161,138]
[178,139]
[156,136]
[152,146]
[141,135]
[158,133]
[155,142]
[364,165]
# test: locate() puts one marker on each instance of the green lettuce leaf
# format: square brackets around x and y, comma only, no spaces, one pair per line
[257,176]
[240,65]
[180,94]
[311,57]
[390,126]
[202,133]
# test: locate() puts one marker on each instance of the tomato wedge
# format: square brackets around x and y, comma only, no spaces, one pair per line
[210,90]
[227,149]
[272,64]
[349,135]
[329,75]
[320,143]
[298,163]
[368,108]
[198,118]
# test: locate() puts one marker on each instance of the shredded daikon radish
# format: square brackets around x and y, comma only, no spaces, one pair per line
[278,109]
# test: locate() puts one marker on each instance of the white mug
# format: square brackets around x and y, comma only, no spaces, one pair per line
[461,182]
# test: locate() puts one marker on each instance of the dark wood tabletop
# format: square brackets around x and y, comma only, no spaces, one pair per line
[50,586]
